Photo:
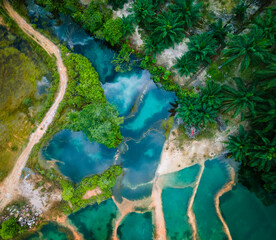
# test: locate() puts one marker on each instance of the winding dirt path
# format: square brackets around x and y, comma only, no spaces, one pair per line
[9,187]
[226,188]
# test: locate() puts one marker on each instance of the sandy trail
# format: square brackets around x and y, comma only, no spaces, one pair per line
[126,207]
[63,220]
[159,220]
[9,187]
[226,188]
[190,212]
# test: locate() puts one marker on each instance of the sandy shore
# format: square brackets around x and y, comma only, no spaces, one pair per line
[63,220]
[190,152]
[158,216]
[190,212]
[226,188]
[9,187]
[126,207]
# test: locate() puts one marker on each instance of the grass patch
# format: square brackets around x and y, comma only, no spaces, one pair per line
[167,126]
[22,63]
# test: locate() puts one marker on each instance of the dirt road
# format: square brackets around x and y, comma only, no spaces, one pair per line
[9,187]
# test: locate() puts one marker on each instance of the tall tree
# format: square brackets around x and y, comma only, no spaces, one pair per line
[267,24]
[168,29]
[265,117]
[143,11]
[263,153]
[239,145]
[188,11]
[128,26]
[202,47]
[186,65]
[219,31]
[211,94]
[242,98]
[252,48]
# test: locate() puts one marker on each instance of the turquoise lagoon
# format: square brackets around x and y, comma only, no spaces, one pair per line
[144,105]
[136,226]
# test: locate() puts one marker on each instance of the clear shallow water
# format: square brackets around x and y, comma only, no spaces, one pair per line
[247,217]
[95,222]
[136,226]
[124,89]
[78,157]
[215,175]
[180,179]
[50,231]
[175,204]
[142,158]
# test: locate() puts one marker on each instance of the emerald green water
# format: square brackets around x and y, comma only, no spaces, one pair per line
[139,156]
[247,216]
[50,231]
[180,179]
[175,204]
[136,226]
[95,222]
[215,175]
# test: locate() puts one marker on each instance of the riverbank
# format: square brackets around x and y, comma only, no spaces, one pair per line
[178,154]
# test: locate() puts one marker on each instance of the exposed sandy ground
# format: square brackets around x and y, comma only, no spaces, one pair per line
[124,10]
[91,193]
[226,188]
[9,188]
[191,152]
[158,216]
[63,220]
[168,56]
[40,201]
[136,38]
[190,212]
[85,2]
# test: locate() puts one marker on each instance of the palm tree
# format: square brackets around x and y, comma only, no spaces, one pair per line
[211,94]
[242,99]
[117,3]
[186,65]
[150,47]
[239,145]
[266,116]
[201,47]
[143,12]
[194,112]
[128,27]
[267,24]
[269,179]
[188,11]
[219,31]
[263,155]
[240,11]
[267,76]
[252,48]
[168,29]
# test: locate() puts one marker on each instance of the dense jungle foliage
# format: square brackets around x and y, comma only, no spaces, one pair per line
[75,192]
[92,113]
